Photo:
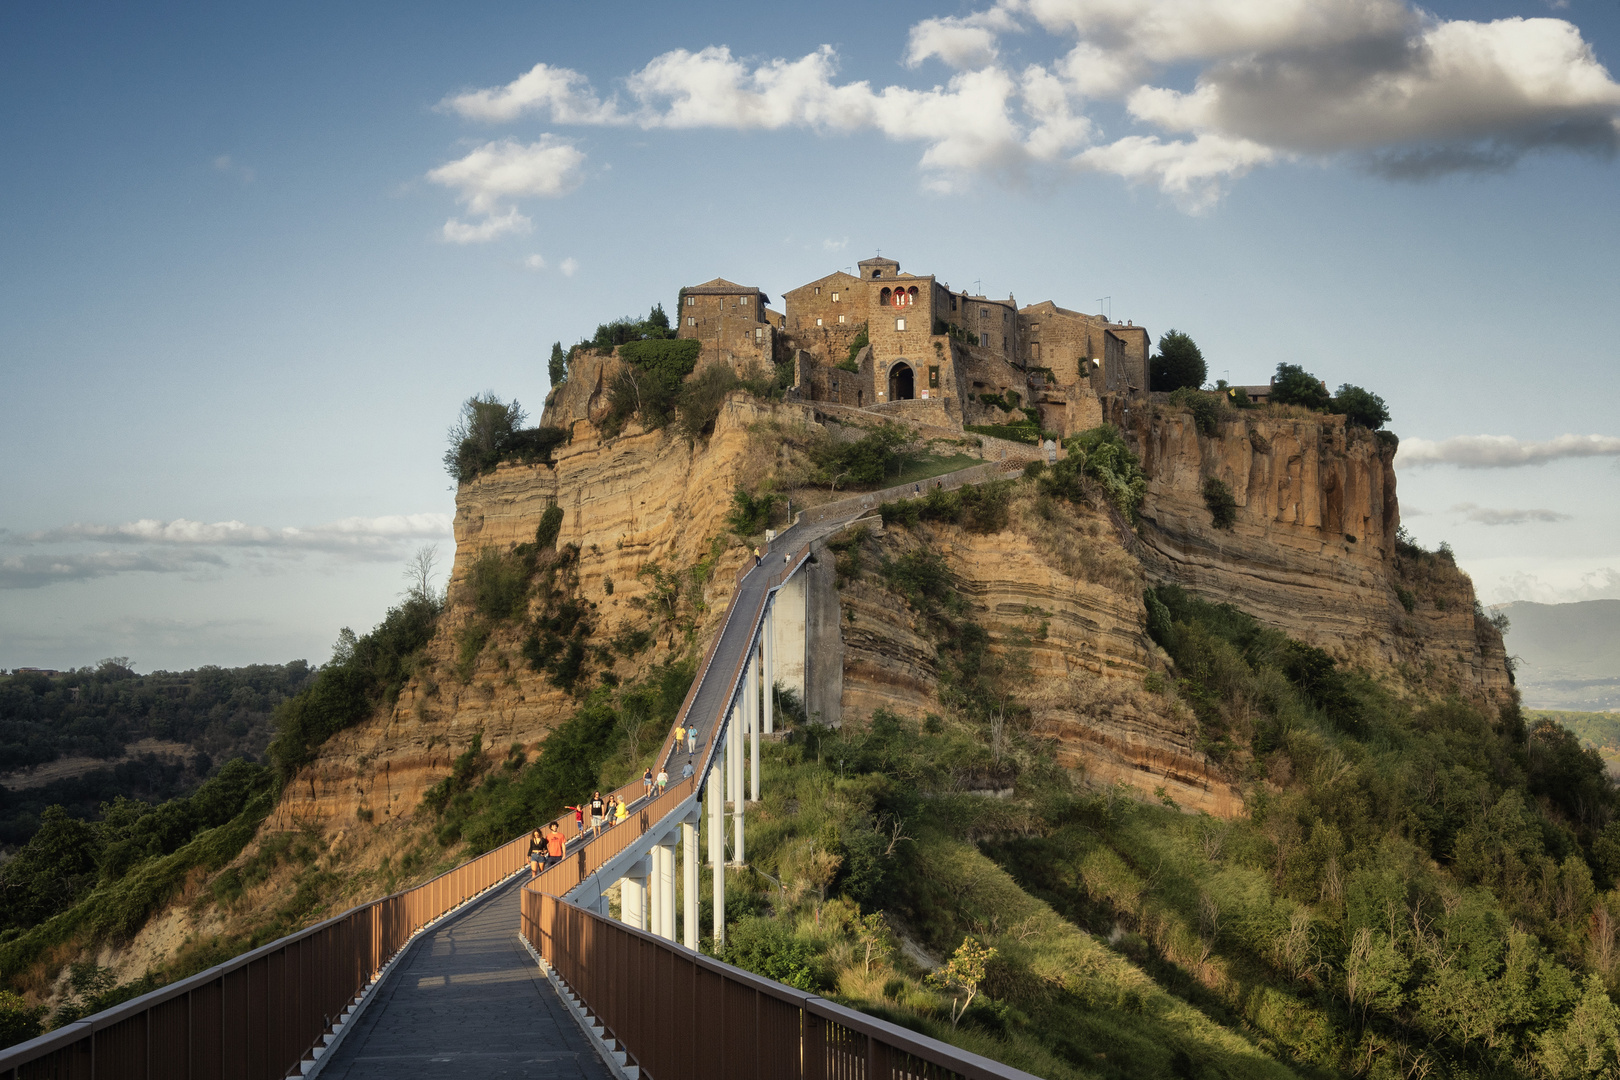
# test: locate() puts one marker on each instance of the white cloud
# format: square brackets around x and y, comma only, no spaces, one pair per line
[830,244]
[493,227]
[497,172]
[568,266]
[1379,82]
[564,94]
[1502,451]
[967,41]
[1549,581]
[182,545]
[1485,515]
[535,262]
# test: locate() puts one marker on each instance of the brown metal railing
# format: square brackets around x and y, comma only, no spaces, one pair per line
[258,1016]
[679,1014]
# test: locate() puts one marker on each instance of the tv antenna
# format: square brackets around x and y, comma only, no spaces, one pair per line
[1109,300]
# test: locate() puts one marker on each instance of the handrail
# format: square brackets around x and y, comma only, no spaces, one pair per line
[261,1013]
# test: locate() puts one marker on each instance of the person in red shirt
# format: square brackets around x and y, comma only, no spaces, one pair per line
[555,846]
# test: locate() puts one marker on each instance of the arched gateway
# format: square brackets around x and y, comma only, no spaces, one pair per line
[902,382]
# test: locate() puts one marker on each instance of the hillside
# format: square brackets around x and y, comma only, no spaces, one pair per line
[1568,654]
[1241,799]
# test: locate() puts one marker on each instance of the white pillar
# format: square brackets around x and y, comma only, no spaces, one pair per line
[769,670]
[633,897]
[717,844]
[666,889]
[689,885]
[739,798]
[754,670]
[655,891]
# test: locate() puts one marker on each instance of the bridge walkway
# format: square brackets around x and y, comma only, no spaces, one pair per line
[467,1000]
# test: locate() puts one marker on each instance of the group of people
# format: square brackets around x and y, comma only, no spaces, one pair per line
[547,848]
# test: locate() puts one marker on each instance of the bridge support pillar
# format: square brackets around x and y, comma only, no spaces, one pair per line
[756,718]
[717,843]
[664,891]
[770,675]
[738,798]
[633,896]
[689,884]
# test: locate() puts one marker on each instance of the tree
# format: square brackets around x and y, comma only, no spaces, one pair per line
[1296,386]
[480,434]
[1360,406]
[559,365]
[962,975]
[1178,363]
[419,574]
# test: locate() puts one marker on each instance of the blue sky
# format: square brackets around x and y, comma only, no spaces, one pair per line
[236,318]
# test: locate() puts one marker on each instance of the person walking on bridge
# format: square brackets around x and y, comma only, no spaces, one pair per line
[687,770]
[555,846]
[663,779]
[691,739]
[537,854]
[579,818]
[620,812]
[646,782]
[680,735]
[597,806]
[756,556]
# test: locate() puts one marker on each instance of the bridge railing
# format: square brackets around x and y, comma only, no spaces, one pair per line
[680,1014]
[258,1016]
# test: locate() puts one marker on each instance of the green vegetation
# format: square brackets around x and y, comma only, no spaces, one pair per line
[364,672]
[1009,402]
[955,333]
[750,516]
[627,330]
[1294,385]
[1222,504]
[1206,409]
[90,882]
[1102,457]
[1421,886]
[1360,406]
[869,461]
[849,363]
[607,740]
[557,366]
[1022,432]
[489,431]
[650,382]
[976,507]
[220,713]
[1178,363]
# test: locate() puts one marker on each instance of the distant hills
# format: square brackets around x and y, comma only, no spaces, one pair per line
[1569,653]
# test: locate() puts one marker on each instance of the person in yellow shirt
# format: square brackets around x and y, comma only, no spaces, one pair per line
[620,812]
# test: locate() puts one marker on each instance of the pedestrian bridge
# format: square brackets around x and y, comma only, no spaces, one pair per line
[482,973]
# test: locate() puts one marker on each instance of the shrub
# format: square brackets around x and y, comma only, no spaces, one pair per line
[499,583]
[479,434]
[557,367]
[650,382]
[1296,386]
[1205,408]
[1222,506]
[699,402]
[750,516]
[1178,363]
[981,508]
[867,460]
[850,363]
[1104,457]
[1024,433]
[767,947]
[1360,406]
[545,534]
[364,672]
[19,1021]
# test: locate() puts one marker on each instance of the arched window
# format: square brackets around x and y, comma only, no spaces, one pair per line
[911,295]
[883,297]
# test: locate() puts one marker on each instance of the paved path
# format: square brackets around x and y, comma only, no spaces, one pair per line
[468,1000]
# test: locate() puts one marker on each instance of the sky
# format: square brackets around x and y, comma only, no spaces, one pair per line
[253,257]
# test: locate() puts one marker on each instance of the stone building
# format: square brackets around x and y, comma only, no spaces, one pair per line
[731,322]
[1078,348]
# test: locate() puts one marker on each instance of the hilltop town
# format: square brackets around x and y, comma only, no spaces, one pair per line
[909,346]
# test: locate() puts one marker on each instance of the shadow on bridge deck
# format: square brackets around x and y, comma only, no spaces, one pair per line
[467,1000]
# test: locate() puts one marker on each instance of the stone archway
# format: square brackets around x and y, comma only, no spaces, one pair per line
[902,382]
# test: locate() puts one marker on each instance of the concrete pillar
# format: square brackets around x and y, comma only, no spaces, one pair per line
[736,795]
[788,609]
[754,686]
[769,670]
[689,884]
[664,916]
[633,896]
[655,891]
[717,845]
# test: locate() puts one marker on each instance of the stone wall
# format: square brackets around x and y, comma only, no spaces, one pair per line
[731,328]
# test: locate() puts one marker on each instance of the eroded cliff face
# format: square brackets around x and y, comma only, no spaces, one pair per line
[1313,550]
[640,499]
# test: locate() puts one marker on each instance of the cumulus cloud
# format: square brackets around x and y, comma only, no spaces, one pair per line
[1503,451]
[569,266]
[1553,584]
[535,262]
[1380,82]
[488,178]
[80,552]
[1485,515]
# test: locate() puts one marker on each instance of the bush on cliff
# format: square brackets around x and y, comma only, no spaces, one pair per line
[867,461]
[649,383]
[1293,385]
[1360,406]
[364,672]
[487,433]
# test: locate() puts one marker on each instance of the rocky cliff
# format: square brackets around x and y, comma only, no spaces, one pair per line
[1313,550]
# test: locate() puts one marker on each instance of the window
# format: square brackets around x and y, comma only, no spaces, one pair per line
[877,273]
[1034,350]
[691,320]
[835,298]
[933,376]
[759,333]
[840,318]
[883,298]
[984,313]
[818,290]
[1003,344]
[691,301]
[818,322]
[899,324]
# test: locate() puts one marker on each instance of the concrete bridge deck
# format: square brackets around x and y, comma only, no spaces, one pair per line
[467,1000]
